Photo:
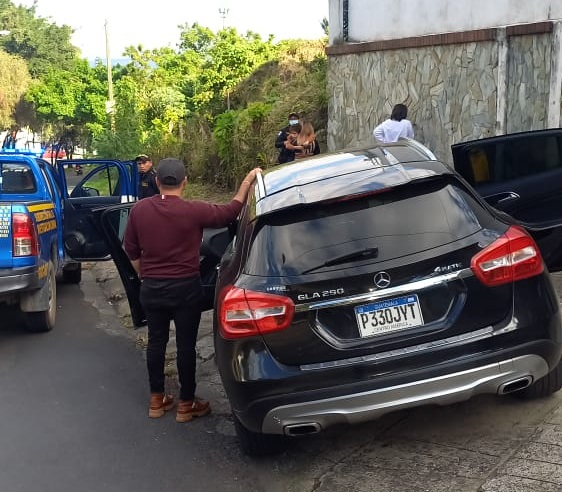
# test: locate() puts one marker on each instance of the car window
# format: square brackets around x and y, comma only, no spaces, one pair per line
[511,159]
[116,221]
[52,173]
[407,220]
[17,178]
[48,184]
[105,182]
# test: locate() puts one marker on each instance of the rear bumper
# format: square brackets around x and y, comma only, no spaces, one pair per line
[15,280]
[351,395]
[318,414]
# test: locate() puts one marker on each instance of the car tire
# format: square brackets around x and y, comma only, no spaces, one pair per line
[545,386]
[72,273]
[43,321]
[256,444]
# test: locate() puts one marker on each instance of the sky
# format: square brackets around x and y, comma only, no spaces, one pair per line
[155,24]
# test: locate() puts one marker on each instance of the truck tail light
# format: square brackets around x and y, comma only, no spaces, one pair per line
[513,256]
[24,235]
[245,313]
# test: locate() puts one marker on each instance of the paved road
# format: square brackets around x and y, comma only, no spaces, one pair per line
[73,418]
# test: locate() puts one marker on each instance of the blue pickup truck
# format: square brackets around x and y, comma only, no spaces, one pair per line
[47,228]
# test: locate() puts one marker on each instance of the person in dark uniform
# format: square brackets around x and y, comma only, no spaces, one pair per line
[147,177]
[282,137]
[288,152]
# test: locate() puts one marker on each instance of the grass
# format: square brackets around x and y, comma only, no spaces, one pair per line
[208,193]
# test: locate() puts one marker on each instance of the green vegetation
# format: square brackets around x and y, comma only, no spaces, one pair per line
[216,102]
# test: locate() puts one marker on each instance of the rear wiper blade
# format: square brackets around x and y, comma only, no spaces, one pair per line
[362,254]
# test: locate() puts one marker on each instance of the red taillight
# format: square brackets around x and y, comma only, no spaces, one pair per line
[245,313]
[24,236]
[513,256]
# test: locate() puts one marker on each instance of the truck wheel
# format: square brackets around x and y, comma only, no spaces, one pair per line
[545,386]
[72,273]
[258,444]
[42,321]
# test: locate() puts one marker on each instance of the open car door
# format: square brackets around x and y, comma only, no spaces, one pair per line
[520,174]
[104,183]
[112,222]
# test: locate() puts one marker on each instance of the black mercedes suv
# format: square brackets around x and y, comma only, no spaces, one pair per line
[361,282]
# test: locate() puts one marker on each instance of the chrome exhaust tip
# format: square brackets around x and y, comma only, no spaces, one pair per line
[304,429]
[515,385]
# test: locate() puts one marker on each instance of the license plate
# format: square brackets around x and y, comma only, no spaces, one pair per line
[389,315]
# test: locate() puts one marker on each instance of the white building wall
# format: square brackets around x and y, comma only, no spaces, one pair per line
[480,78]
[377,20]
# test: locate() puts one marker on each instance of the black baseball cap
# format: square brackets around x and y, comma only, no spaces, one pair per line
[170,171]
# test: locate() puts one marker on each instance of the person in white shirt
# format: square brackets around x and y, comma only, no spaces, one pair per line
[395,127]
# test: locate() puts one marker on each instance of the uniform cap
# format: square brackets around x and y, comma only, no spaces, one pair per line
[170,171]
[141,159]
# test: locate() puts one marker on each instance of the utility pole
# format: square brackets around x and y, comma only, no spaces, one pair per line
[110,104]
[223,13]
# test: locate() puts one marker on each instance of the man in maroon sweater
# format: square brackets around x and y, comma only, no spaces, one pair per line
[162,239]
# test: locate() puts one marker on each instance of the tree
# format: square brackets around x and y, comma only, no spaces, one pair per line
[325,26]
[14,81]
[71,103]
[220,61]
[51,61]
[41,43]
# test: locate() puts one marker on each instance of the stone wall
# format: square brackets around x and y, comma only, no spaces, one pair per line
[528,82]
[453,91]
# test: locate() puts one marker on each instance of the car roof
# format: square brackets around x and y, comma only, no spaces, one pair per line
[346,173]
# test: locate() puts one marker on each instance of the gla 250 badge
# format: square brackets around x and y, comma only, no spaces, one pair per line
[320,295]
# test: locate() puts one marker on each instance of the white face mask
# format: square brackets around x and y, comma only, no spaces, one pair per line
[293,122]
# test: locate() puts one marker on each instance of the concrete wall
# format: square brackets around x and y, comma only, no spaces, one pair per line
[458,86]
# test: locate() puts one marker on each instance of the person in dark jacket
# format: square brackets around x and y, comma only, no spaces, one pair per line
[289,149]
[162,239]
[147,177]
[282,136]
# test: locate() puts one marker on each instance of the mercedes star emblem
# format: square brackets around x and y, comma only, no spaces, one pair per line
[382,280]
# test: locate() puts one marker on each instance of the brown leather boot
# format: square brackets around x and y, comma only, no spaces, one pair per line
[187,409]
[159,403]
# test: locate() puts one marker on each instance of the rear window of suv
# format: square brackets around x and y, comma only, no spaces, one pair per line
[16,178]
[407,220]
